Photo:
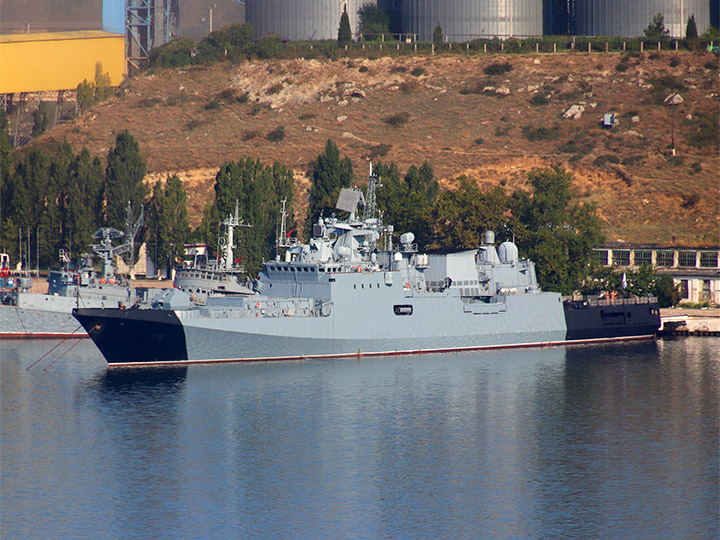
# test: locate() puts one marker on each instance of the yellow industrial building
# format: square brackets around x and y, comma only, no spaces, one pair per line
[58,61]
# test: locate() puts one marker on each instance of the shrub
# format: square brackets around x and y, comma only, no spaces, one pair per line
[276,135]
[674,62]
[498,68]
[174,54]
[418,72]
[274,89]
[379,150]
[212,104]
[539,99]
[479,141]
[689,201]
[601,161]
[539,134]
[306,116]
[705,134]
[409,87]
[397,120]
[250,135]
[147,103]
[363,69]
[622,67]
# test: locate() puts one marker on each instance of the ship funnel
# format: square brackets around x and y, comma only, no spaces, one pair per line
[489,238]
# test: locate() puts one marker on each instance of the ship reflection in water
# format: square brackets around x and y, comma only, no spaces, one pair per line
[614,441]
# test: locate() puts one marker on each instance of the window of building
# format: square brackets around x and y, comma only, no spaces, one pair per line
[684,289]
[602,256]
[621,257]
[687,259]
[643,257]
[708,259]
[705,295]
[666,258]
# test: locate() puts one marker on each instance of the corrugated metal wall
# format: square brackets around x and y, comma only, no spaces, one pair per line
[60,61]
[621,18]
[463,20]
[300,20]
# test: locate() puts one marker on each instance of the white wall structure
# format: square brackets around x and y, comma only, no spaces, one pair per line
[300,20]
[464,20]
[623,18]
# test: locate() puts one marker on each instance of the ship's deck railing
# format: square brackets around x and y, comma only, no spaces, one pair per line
[596,301]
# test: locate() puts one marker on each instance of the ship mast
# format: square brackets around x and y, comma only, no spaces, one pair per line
[371,199]
[227,244]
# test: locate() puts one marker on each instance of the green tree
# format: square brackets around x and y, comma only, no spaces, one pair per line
[103,84]
[373,22]
[124,177]
[174,54]
[258,190]
[81,202]
[656,29]
[711,34]
[344,31]
[85,95]
[330,174]
[462,215]
[691,33]
[26,201]
[438,34]
[407,202]
[227,42]
[167,221]
[6,168]
[556,234]
[40,120]
[666,291]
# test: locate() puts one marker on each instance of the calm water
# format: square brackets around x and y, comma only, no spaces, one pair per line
[601,442]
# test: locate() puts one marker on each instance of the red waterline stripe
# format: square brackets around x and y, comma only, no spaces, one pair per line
[385,353]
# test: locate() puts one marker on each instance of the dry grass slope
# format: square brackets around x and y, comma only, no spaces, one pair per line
[449,111]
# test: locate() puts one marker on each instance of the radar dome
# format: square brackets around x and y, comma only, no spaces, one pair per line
[508,253]
[489,238]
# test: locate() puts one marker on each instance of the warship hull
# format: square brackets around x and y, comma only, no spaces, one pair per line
[435,325]
[21,323]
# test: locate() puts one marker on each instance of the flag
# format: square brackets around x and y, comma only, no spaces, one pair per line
[624,281]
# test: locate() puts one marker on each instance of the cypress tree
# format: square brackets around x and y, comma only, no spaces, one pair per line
[691,30]
[124,180]
[438,34]
[329,174]
[344,32]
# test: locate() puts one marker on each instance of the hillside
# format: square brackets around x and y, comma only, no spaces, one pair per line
[445,110]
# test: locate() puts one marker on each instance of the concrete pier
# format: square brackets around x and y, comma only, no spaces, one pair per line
[695,322]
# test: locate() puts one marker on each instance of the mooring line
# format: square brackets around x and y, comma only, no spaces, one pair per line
[59,357]
[55,347]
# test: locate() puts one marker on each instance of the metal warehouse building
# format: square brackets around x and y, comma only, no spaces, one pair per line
[300,20]
[623,18]
[58,61]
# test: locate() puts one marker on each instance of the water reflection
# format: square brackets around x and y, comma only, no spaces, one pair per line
[615,441]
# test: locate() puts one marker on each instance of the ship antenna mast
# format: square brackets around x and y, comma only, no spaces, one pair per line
[227,244]
[283,239]
[371,204]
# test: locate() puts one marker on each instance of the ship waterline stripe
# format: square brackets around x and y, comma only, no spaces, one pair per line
[382,353]
[44,335]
